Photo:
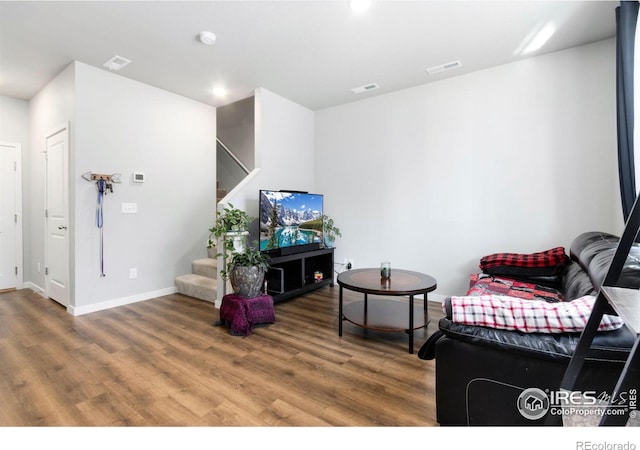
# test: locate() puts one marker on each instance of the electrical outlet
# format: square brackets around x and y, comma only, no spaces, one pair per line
[133,273]
[129,208]
[350,264]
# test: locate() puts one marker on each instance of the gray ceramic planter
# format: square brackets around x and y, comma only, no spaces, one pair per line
[247,281]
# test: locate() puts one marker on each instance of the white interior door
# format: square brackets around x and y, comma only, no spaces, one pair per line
[57,216]
[10,217]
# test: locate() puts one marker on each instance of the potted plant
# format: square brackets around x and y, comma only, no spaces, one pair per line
[329,231]
[246,271]
[232,226]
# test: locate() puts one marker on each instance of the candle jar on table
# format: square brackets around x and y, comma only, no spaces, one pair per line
[385,270]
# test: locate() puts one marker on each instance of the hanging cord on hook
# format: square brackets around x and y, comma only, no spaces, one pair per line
[102,187]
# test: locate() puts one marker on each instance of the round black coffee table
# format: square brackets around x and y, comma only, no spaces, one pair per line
[385,314]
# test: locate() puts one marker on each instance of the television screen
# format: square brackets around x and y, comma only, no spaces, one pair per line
[289,219]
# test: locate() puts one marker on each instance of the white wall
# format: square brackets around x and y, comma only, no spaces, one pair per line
[14,128]
[124,126]
[284,149]
[52,106]
[236,129]
[516,158]
[14,120]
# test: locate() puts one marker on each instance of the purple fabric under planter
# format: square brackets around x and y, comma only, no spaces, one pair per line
[242,313]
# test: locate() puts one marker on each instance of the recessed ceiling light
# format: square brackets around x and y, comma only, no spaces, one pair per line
[219,91]
[116,63]
[207,38]
[359,5]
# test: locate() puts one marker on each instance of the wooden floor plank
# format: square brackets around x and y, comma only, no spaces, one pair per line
[162,362]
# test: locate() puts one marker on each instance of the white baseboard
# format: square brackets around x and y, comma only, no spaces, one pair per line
[78,311]
[35,288]
[436,298]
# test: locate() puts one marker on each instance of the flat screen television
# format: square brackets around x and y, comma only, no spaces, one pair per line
[290,221]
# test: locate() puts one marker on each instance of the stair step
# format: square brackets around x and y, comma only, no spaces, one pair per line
[206,267]
[197,286]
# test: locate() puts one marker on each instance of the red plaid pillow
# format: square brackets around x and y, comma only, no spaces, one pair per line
[549,258]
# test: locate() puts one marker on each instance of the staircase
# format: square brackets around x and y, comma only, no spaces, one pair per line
[202,283]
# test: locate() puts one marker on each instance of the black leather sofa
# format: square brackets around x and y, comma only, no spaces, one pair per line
[481,372]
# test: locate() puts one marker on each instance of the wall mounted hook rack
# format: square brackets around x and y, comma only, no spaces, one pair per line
[107,179]
[113,178]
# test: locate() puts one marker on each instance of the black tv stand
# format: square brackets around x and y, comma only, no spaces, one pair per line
[293,275]
[304,248]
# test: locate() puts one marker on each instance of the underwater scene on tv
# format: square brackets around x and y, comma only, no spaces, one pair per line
[289,218]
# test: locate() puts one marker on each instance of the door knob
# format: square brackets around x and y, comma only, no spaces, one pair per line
[62,227]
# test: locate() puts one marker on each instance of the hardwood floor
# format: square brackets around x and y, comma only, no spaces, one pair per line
[162,363]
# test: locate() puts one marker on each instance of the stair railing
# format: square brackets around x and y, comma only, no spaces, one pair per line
[233,157]
[230,171]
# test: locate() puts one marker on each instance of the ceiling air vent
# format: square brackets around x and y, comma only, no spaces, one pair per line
[443,67]
[365,88]
[116,63]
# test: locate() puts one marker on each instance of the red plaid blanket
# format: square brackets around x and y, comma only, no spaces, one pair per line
[549,258]
[483,284]
[529,316]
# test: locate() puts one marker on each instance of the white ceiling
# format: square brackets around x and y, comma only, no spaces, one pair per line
[311,52]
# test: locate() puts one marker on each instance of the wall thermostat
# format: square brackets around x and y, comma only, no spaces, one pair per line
[138,177]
